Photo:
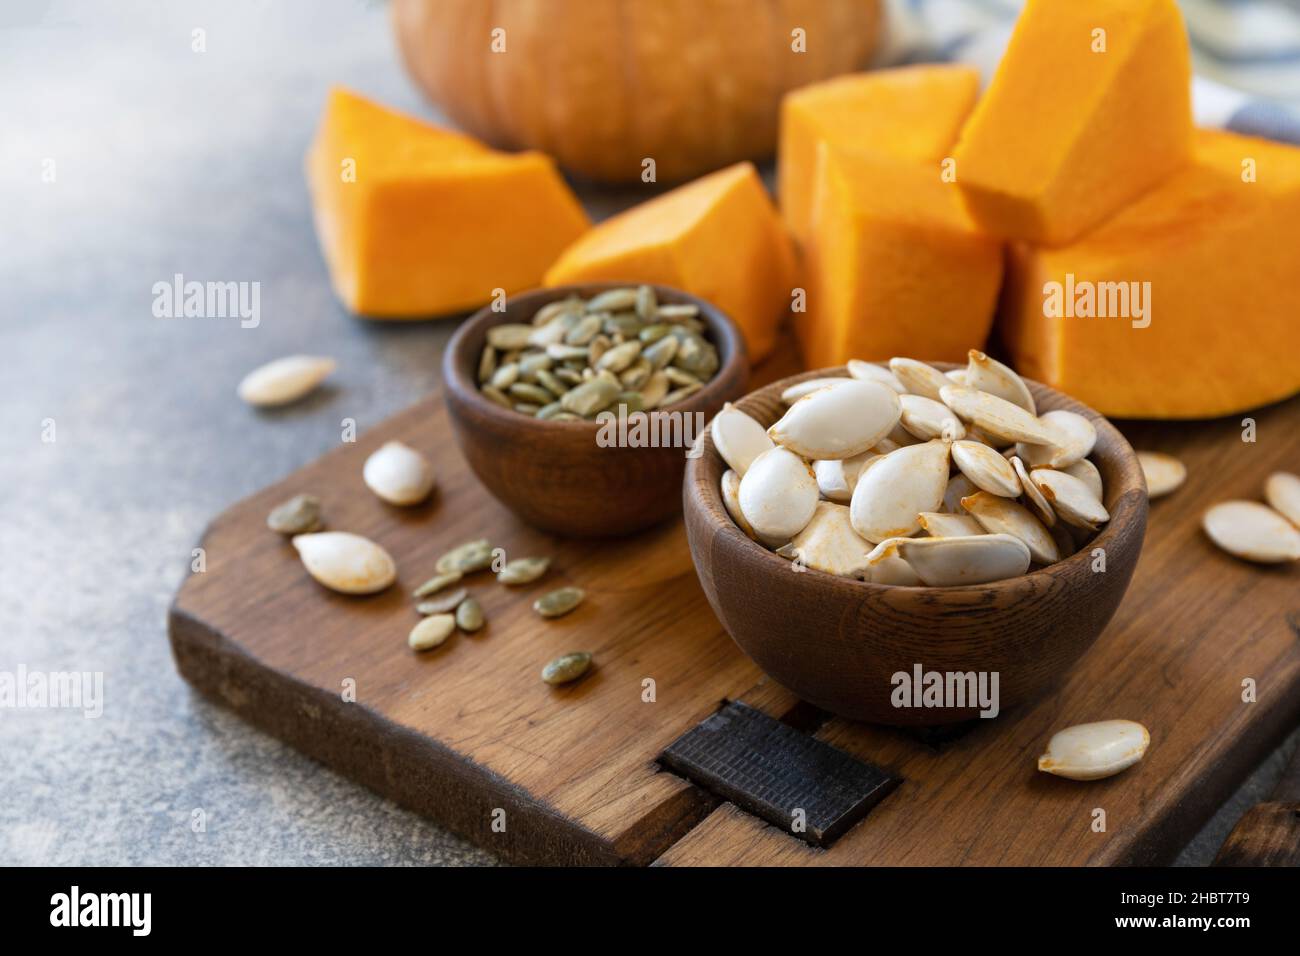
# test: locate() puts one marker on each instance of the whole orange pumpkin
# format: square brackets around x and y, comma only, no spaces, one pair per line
[603,85]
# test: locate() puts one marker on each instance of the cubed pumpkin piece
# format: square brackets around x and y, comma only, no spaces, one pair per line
[1089,108]
[718,237]
[912,113]
[416,221]
[894,266]
[1184,304]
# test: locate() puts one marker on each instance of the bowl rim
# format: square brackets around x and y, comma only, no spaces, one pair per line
[458,367]
[1125,508]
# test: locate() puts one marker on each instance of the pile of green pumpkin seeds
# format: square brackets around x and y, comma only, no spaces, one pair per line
[578,358]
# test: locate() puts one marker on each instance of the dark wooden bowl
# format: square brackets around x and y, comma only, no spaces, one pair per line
[554,475]
[837,642]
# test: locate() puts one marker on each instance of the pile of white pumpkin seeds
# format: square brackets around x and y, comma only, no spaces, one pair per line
[909,476]
[578,358]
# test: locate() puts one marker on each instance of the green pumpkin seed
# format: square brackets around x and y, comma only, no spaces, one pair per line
[620,357]
[565,353]
[511,335]
[676,312]
[647,303]
[487,364]
[559,602]
[696,356]
[566,417]
[553,310]
[431,632]
[567,668]
[523,570]
[534,394]
[444,604]
[654,390]
[527,408]
[653,333]
[630,402]
[469,616]
[549,411]
[590,397]
[505,376]
[660,353]
[532,363]
[437,583]
[467,558]
[680,378]
[599,346]
[614,300]
[625,324]
[551,383]
[681,394]
[496,395]
[299,515]
[586,329]
[569,376]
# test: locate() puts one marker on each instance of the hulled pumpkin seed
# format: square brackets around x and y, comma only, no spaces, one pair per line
[565,353]
[568,376]
[676,312]
[487,364]
[647,303]
[444,603]
[613,300]
[620,356]
[553,310]
[559,602]
[654,390]
[533,394]
[511,335]
[679,395]
[466,558]
[431,632]
[586,329]
[523,570]
[661,352]
[552,384]
[469,616]
[496,395]
[696,356]
[549,411]
[437,583]
[299,515]
[590,397]
[505,376]
[567,668]
[680,378]
[528,408]
[636,374]
[1097,750]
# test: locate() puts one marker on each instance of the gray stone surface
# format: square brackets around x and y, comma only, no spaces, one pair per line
[165,161]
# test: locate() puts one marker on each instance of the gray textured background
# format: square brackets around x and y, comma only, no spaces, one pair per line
[171,161]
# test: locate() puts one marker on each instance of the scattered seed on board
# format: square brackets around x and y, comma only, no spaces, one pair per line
[566,668]
[1282,492]
[466,558]
[284,380]
[442,603]
[1097,750]
[559,602]
[1252,531]
[299,515]
[398,474]
[1164,473]
[469,616]
[523,570]
[345,562]
[437,583]
[431,632]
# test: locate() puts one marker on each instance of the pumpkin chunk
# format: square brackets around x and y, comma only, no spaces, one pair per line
[1201,272]
[718,238]
[912,113]
[416,221]
[894,266]
[1090,107]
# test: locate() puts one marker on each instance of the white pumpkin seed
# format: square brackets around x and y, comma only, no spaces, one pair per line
[919,378]
[885,566]
[778,494]
[431,632]
[436,584]
[957,376]
[1282,492]
[1164,473]
[1003,516]
[523,570]
[986,469]
[299,515]
[959,486]
[997,415]
[1034,498]
[990,375]
[1075,441]
[345,562]
[952,562]
[398,474]
[927,419]
[871,372]
[940,525]
[1250,530]
[738,437]
[799,390]
[1087,472]
[443,603]
[1071,499]
[731,501]
[567,668]
[559,602]
[897,488]
[829,543]
[285,380]
[839,421]
[837,477]
[1097,750]
[469,616]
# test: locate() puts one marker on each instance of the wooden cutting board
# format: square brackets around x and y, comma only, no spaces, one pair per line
[469,736]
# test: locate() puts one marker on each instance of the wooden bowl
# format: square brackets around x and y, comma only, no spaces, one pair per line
[554,475]
[837,642]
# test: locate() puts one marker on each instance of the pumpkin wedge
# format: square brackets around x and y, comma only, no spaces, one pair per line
[718,237]
[1184,304]
[894,264]
[1090,106]
[912,113]
[416,221]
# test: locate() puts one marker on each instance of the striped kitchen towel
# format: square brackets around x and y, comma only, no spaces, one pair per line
[1246,53]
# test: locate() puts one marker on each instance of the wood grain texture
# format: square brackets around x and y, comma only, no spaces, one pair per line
[841,640]
[555,475]
[1194,624]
